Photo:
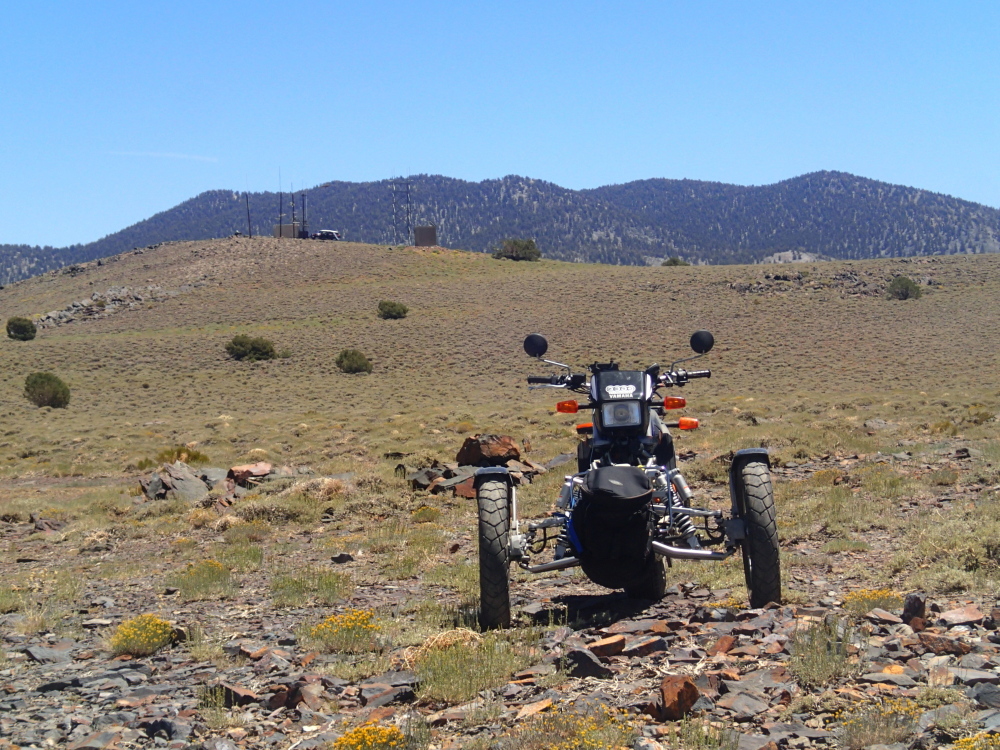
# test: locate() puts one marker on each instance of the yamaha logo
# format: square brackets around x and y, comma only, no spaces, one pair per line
[619,391]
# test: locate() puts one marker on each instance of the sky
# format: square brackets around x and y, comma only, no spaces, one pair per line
[113,111]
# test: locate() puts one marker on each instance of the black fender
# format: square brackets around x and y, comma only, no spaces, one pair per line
[493,473]
[740,459]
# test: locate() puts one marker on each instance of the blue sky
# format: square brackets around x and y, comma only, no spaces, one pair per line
[113,111]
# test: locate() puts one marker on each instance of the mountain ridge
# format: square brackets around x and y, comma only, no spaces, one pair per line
[826,213]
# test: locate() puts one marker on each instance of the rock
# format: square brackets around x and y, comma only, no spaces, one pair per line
[914,606]
[97,741]
[582,663]
[613,644]
[533,708]
[488,450]
[44,655]
[175,480]
[241,474]
[644,646]
[743,705]
[940,644]
[234,695]
[722,646]
[967,615]
[218,743]
[986,695]
[678,694]
[900,680]
[882,616]
[974,676]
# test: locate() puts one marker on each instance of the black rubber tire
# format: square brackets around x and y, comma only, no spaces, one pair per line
[761,561]
[492,499]
[652,584]
[583,455]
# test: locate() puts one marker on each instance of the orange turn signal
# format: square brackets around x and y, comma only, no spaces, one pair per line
[586,428]
[687,423]
[568,407]
[674,402]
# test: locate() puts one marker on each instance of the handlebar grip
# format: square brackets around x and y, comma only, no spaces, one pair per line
[699,374]
[546,379]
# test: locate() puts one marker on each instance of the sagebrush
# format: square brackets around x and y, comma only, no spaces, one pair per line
[46,389]
[245,348]
[352,361]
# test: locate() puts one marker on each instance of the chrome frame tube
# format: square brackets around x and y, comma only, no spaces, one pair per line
[683,553]
[566,562]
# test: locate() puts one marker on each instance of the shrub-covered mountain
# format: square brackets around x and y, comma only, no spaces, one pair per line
[831,214]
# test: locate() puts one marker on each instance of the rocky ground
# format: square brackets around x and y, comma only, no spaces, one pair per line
[695,653]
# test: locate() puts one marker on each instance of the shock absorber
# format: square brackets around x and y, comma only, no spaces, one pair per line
[676,490]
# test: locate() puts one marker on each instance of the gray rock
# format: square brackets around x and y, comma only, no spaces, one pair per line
[986,694]
[218,743]
[974,676]
[582,663]
[894,679]
[44,655]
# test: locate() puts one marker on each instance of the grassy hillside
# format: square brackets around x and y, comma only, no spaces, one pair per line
[159,374]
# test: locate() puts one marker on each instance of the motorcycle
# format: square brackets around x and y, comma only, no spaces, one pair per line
[628,507]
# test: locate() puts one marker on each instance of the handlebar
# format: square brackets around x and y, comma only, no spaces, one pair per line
[699,374]
[547,380]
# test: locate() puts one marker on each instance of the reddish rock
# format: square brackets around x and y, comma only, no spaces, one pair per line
[678,694]
[466,488]
[380,714]
[940,644]
[234,695]
[967,615]
[881,615]
[240,474]
[644,646]
[722,646]
[917,624]
[657,627]
[609,646]
[488,449]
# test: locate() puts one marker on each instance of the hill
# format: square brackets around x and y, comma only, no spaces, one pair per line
[829,214]
[879,415]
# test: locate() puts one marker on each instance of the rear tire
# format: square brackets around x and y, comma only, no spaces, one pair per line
[653,582]
[761,562]
[492,499]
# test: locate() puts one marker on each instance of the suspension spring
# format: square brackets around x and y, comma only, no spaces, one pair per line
[682,521]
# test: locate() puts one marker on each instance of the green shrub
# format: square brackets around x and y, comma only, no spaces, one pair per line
[46,389]
[389,310]
[251,349]
[514,249]
[183,454]
[351,361]
[20,329]
[675,261]
[903,287]
[820,653]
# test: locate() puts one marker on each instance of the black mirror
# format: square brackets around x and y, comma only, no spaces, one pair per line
[701,341]
[535,345]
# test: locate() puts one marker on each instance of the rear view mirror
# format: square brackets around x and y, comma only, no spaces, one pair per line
[701,341]
[535,345]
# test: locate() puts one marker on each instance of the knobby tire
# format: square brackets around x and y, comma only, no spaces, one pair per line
[494,554]
[761,563]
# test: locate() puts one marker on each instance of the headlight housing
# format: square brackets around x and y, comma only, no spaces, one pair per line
[618,414]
